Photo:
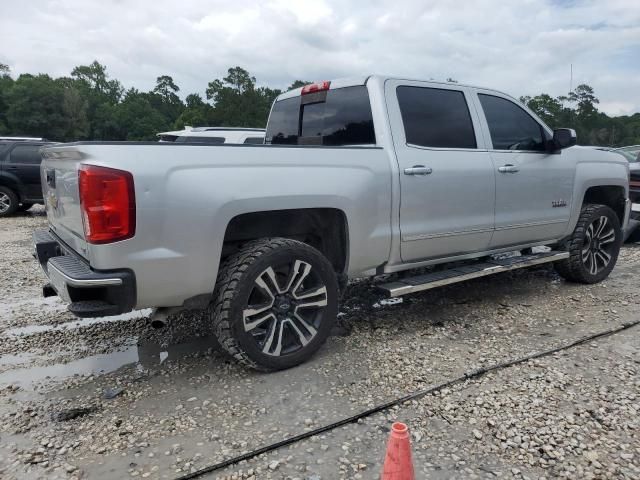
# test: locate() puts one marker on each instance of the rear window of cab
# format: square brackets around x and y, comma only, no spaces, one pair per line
[340,117]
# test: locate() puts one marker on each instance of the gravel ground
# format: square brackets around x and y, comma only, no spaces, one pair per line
[178,404]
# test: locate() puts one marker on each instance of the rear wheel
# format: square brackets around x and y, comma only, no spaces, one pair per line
[593,247]
[8,202]
[275,303]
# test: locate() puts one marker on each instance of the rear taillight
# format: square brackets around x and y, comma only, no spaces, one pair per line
[316,87]
[108,204]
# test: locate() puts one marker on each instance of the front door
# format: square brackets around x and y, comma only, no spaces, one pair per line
[533,186]
[447,180]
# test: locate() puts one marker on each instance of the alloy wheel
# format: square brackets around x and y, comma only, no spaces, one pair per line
[5,202]
[285,308]
[599,241]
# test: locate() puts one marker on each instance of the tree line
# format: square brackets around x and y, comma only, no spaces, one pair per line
[578,110]
[89,104]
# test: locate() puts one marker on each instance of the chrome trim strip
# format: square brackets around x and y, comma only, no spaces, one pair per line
[425,236]
[74,282]
[532,224]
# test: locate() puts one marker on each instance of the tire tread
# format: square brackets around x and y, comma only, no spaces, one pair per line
[229,277]
[572,268]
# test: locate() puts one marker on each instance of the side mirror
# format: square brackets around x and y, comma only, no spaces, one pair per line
[563,138]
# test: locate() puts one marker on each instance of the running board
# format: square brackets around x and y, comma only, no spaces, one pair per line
[467,272]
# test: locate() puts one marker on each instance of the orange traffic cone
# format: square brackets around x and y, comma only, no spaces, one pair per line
[397,462]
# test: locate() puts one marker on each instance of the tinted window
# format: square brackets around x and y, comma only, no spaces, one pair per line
[25,154]
[436,118]
[209,140]
[168,138]
[510,126]
[255,140]
[343,118]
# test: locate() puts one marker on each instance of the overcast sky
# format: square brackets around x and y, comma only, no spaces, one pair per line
[523,47]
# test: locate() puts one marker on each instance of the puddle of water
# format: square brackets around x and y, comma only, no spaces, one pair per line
[85,322]
[102,363]
[146,356]
[11,359]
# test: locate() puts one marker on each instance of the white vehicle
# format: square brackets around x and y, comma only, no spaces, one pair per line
[358,177]
[214,135]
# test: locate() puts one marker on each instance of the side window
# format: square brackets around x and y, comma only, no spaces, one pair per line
[25,154]
[254,140]
[434,117]
[207,140]
[343,118]
[511,128]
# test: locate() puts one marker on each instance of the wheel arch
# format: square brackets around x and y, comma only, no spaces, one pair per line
[9,181]
[325,229]
[592,186]
[612,196]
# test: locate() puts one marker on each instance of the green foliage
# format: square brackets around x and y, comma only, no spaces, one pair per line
[137,118]
[578,110]
[237,101]
[90,105]
[35,107]
[196,113]
[6,82]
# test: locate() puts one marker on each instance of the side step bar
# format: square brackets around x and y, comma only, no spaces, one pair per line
[467,272]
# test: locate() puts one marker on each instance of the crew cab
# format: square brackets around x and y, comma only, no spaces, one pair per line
[358,177]
[20,185]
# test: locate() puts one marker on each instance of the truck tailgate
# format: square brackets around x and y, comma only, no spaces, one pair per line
[59,172]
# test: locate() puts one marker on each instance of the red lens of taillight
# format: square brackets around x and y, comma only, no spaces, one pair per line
[316,87]
[108,204]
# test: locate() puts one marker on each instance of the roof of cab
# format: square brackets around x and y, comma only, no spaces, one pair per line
[336,83]
[354,81]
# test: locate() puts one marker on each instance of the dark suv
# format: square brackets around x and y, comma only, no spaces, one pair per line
[20,174]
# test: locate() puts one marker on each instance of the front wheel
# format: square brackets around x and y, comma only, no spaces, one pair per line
[593,246]
[275,303]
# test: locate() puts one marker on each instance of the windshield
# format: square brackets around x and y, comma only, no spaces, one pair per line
[632,154]
[343,117]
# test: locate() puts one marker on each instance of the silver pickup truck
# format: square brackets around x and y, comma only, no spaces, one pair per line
[358,177]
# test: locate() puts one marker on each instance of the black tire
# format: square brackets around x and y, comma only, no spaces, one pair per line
[24,207]
[8,202]
[593,241]
[293,291]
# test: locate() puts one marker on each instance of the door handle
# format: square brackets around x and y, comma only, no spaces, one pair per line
[508,168]
[12,167]
[418,170]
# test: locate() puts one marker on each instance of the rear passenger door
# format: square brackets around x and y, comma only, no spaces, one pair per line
[447,179]
[533,186]
[23,161]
